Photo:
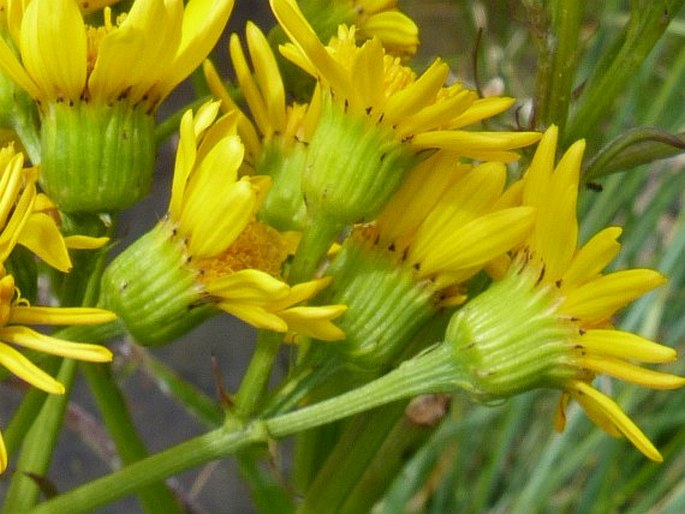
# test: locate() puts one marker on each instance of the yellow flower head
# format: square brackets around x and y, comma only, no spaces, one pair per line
[229,259]
[381,19]
[375,18]
[421,111]
[142,57]
[264,92]
[15,313]
[274,140]
[449,220]
[548,322]
[26,216]
[445,223]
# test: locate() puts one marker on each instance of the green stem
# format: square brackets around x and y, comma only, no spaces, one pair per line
[349,459]
[39,444]
[431,372]
[404,438]
[130,447]
[566,19]
[208,447]
[258,373]
[27,412]
[537,19]
[316,240]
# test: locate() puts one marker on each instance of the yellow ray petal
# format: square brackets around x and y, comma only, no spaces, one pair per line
[24,336]
[85,242]
[418,194]
[41,235]
[559,210]
[593,400]
[627,346]
[10,186]
[475,144]
[300,292]
[394,29]
[20,366]
[368,70]
[623,370]
[186,155]
[14,70]
[315,321]
[417,95]
[249,285]
[54,47]
[592,258]
[268,76]
[480,241]
[303,36]
[3,455]
[255,315]
[24,315]
[203,22]
[481,109]
[160,22]
[436,115]
[600,298]
[232,210]
[250,90]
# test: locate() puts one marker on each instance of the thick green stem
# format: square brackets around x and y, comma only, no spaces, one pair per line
[130,447]
[431,372]
[208,447]
[38,446]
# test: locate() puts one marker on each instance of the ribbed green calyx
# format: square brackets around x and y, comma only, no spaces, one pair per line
[509,339]
[386,304]
[353,166]
[96,157]
[156,296]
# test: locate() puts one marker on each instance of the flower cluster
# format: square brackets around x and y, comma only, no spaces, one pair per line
[341,202]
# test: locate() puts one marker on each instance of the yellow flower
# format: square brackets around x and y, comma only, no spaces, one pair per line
[381,19]
[377,121]
[15,312]
[143,57]
[275,140]
[248,288]
[375,18]
[25,216]
[227,259]
[548,322]
[421,111]
[97,89]
[264,94]
[447,221]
